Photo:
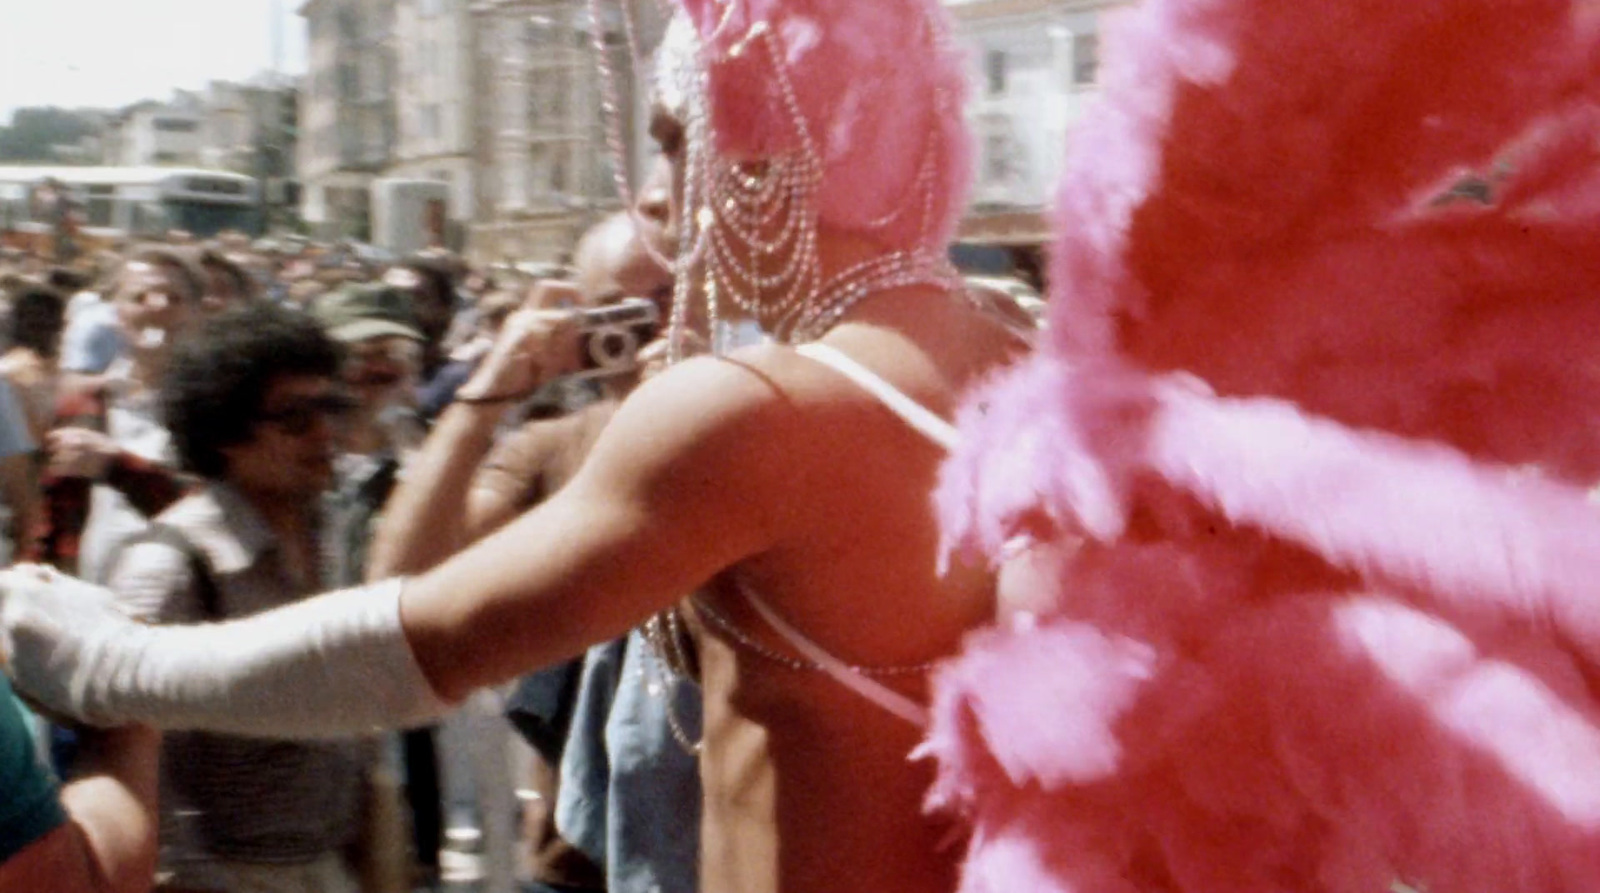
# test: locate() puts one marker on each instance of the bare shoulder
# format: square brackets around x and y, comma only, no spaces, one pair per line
[707,431]
[744,394]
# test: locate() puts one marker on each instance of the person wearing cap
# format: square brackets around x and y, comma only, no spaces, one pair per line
[382,345]
[382,348]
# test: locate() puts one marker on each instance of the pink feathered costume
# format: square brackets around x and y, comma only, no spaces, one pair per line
[1306,454]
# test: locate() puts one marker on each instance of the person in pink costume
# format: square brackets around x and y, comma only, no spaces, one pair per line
[1302,582]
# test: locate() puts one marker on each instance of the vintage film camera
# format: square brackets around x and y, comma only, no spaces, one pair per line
[609,338]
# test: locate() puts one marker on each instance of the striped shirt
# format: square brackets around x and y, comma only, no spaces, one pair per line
[225,797]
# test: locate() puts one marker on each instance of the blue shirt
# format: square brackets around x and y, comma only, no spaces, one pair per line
[92,340]
[630,794]
[30,805]
[14,437]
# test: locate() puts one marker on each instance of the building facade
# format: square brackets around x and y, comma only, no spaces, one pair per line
[348,132]
[1034,71]
[157,133]
[251,128]
[437,59]
[548,173]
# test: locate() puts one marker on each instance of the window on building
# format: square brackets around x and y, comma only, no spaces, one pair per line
[994,64]
[349,82]
[349,24]
[548,95]
[430,121]
[1085,59]
[996,159]
[558,174]
[175,125]
[373,82]
[538,171]
[372,139]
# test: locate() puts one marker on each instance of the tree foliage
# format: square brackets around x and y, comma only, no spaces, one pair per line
[34,130]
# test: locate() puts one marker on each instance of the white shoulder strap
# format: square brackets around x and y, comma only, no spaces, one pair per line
[843,673]
[924,420]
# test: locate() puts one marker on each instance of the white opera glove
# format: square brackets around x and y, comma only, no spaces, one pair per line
[331,666]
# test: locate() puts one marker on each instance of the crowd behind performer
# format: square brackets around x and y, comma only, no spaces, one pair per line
[383,344]
[98,488]
[19,489]
[430,277]
[822,174]
[226,284]
[93,340]
[382,353]
[95,835]
[31,362]
[629,794]
[252,403]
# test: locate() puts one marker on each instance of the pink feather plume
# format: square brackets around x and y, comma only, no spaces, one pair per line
[1309,449]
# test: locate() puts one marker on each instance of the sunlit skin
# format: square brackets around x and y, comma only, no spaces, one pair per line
[288,463]
[153,307]
[770,470]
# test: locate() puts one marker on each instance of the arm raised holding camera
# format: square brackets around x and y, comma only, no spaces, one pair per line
[435,510]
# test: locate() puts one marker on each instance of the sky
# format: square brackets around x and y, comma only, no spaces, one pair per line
[111,53]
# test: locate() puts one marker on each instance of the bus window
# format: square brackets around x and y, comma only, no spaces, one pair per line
[101,199]
[149,219]
[205,219]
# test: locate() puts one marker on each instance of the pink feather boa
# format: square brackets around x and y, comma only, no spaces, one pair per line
[1306,462]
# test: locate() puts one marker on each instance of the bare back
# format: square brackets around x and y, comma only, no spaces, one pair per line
[771,471]
[807,784]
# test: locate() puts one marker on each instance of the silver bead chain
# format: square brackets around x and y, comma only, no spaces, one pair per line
[800,665]
[764,264]
[668,665]
[755,226]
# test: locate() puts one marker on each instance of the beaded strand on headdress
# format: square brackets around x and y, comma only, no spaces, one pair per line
[730,211]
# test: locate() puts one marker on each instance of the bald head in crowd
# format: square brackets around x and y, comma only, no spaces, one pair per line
[613,263]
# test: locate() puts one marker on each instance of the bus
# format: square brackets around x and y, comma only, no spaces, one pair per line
[106,205]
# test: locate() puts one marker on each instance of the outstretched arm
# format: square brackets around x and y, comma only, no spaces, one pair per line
[686,480]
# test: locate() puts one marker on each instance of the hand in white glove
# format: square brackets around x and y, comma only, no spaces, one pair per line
[39,607]
[330,666]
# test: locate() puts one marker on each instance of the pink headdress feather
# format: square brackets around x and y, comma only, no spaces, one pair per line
[1252,203]
[1363,553]
[880,91]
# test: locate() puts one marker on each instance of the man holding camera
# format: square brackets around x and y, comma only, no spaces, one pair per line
[462,487]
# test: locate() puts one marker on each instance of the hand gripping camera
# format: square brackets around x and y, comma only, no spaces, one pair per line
[609,338]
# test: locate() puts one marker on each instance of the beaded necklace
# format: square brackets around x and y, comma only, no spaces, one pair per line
[751,230]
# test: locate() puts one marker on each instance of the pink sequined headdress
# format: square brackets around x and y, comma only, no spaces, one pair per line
[880,90]
[806,118]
